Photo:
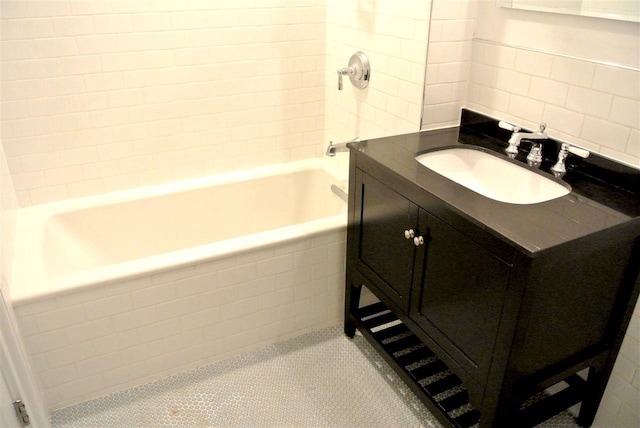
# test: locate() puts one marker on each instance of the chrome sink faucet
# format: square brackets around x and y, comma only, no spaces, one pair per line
[534,158]
[517,136]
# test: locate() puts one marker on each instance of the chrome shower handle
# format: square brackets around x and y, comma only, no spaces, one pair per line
[358,70]
[343,72]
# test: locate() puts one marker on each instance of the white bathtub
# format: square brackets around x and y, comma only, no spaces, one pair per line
[78,243]
[121,289]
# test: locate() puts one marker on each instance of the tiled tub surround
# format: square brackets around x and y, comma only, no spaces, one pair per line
[453,25]
[394,35]
[108,95]
[109,328]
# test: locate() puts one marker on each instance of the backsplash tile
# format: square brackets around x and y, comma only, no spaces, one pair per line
[598,110]
[452,27]
[588,103]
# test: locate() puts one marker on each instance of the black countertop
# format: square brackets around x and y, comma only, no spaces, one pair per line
[604,193]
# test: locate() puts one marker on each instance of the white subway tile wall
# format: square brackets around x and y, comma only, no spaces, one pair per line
[592,105]
[394,36]
[103,95]
[94,342]
[448,62]
[8,219]
[621,403]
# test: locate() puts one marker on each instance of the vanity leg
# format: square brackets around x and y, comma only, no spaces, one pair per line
[351,303]
[596,385]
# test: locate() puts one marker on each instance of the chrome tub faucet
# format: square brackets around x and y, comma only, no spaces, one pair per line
[332,149]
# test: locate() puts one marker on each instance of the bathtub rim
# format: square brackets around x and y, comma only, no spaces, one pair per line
[32,285]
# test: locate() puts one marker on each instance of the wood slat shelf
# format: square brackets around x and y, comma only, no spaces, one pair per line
[438,387]
[427,376]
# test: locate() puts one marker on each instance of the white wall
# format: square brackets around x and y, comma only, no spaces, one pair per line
[449,62]
[103,95]
[8,218]
[394,36]
[17,375]
[583,37]
[579,75]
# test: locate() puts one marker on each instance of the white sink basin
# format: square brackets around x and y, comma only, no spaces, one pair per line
[492,176]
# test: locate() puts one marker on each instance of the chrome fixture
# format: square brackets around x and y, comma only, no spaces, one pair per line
[358,70]
[517,136]
[534,158]
[559,169]
[340,147]
[512,150]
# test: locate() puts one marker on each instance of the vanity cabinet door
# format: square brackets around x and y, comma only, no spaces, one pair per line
[385,222]
[460,302]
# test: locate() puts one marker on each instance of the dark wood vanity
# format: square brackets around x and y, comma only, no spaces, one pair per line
[484,305]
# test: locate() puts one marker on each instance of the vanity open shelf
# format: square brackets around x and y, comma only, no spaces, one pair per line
[495,314]
[436,385]
[426,375]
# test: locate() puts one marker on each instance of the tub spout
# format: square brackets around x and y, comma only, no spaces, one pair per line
[340,147]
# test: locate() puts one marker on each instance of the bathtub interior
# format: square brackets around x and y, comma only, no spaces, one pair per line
[76,243]
[107,235]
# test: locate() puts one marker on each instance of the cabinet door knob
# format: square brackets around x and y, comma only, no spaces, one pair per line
[418,240]
[408,234]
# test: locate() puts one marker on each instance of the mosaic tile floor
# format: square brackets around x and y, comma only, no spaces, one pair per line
[319,379]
